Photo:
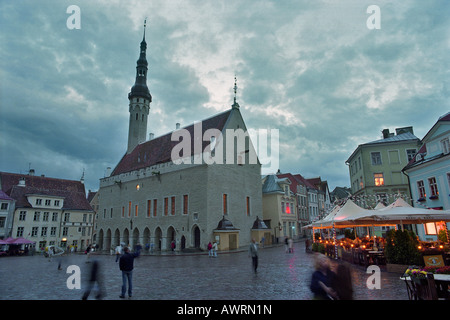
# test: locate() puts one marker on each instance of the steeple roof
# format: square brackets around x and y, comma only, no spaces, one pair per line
[140,88]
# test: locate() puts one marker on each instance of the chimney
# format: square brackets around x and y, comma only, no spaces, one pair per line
[385,133]
[151,136]
[31,172]
[177,126]
[404,130]
[108,172]
[21,182]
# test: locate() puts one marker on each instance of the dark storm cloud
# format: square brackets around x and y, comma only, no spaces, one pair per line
[310,69]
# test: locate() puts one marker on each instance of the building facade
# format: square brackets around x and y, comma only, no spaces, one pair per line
[7,206]
[429,175]
[186,188]
[280,208]
[375,167]
[49,211]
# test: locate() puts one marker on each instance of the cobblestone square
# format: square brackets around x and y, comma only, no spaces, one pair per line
[281,276]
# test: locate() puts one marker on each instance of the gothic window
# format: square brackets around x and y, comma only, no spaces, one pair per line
[225,203]
[185,204]
[172,210]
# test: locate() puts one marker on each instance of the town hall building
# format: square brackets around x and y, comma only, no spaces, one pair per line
[186,188]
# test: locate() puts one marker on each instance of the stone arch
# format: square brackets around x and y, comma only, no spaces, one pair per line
[100,239]
[146,238]
[196,236]
[135,238]
[108,240]
[126,237]
[158,238]
[183,243]
[170,236]
[116,237]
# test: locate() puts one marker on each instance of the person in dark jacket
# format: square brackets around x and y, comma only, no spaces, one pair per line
[126,265]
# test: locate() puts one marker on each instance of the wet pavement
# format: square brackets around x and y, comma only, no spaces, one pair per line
[281,276]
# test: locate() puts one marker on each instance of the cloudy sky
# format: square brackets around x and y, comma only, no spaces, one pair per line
[311,69]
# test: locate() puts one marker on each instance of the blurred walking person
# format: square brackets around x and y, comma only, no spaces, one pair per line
[126,265]
[322,279]
[214,249]
[342,282]
[95,278]
[118,251]
[253,252]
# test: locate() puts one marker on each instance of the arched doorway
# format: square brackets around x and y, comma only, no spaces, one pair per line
[183,243]
[196,233]
[146,238]
[126,237]
[171,235]
[100,239]
[158,238]
[135,239]
[108,240]
[116,238]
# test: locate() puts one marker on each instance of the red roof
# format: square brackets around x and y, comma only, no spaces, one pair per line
[159,150]
[72,191]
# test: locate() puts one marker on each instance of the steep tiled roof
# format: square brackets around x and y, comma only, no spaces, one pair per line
[158,150]
[4,196]
[271,185]
[72,191]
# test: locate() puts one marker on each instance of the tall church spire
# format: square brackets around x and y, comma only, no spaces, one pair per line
[140,88]
[235,104]
[140,99]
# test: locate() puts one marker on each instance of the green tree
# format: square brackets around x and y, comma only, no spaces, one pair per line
[401,248]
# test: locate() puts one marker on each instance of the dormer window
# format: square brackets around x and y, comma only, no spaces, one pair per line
[445,144]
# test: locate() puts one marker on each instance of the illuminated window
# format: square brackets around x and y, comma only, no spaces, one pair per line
[430,228]
[185,204]
[288,208]
[172,206]
[155,207]
[138,187]
[247,204]
[136,210]
[225,204]
[166,206]
[379,179]
[129,209]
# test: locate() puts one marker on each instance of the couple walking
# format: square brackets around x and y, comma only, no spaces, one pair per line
[212,249]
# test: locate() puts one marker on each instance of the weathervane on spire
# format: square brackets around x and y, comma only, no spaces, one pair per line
[235,88]
[235,104]
[145,24]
